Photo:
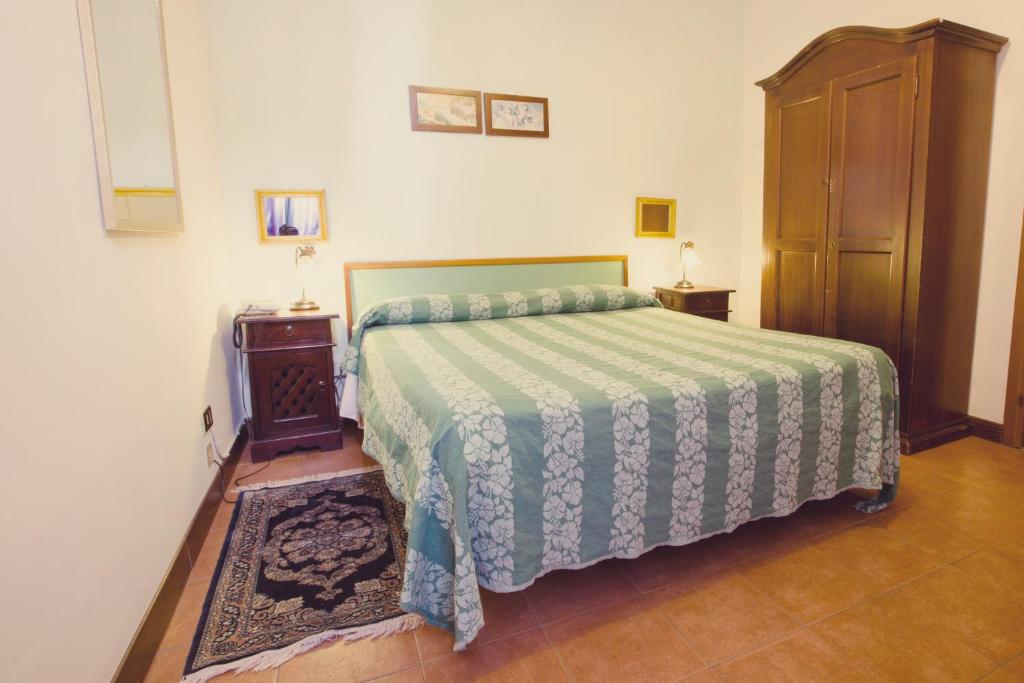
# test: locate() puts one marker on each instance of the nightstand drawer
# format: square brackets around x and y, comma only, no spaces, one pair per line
[271,335]
[707,301]
[670,300]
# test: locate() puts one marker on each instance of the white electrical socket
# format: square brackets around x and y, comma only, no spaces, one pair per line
[210,455]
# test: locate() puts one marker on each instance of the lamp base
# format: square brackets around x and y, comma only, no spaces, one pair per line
[305,305]
[684,284]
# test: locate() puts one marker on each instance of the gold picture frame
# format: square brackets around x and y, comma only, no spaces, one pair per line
[655,217]
[289,216]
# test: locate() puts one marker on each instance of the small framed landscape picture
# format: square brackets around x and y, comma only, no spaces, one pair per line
[444,110]
[655,217]
[516,115]
[291,215]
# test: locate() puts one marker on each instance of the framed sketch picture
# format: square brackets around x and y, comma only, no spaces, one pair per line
[516,115]
[444,110]
[291,215]
[655,217]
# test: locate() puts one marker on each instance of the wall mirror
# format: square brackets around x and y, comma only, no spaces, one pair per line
[126,71]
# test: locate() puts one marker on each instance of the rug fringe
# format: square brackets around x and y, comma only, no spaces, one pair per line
[272,659]
[302,480]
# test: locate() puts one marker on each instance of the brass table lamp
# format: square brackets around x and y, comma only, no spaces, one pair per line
[689,260]
[304,254]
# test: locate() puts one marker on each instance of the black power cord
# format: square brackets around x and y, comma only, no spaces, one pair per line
[223,493]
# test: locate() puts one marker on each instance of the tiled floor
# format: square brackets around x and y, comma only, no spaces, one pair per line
[927,590]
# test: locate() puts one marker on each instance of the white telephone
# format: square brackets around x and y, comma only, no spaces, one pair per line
[258,307]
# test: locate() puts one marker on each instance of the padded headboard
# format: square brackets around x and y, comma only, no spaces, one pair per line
[368,282]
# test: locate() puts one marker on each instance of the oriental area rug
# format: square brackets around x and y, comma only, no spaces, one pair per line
[304,562]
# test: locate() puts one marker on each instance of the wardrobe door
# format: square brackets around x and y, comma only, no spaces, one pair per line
[796,205]
[872,131]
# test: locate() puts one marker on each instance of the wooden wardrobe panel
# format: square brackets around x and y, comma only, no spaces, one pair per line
[864,294]
[963,95]
[803,155]
[871,152]
[896,260]
[871,156]
[796,202]
[796,293]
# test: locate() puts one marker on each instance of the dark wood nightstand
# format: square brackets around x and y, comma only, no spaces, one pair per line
[291,382]
[707,302]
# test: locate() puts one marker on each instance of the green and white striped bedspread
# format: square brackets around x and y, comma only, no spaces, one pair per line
[523,442]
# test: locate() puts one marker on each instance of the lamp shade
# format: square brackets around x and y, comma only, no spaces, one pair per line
[688,255]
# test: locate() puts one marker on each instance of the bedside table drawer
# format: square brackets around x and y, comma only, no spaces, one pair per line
[270,335]
[706,301]
[670,300]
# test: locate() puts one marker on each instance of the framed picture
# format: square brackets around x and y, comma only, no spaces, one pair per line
[444,110]
[516,115]
[291,215]
[655,217]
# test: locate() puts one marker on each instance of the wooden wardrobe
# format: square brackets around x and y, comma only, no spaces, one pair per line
[876,168]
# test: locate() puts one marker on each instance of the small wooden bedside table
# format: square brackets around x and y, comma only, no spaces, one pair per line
[291,382]
[707,302]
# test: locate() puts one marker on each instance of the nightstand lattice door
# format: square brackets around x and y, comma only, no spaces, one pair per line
[295,390]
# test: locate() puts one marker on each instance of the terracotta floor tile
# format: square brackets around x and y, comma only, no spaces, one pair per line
[984,455]
[222,518]
[317,462]
[934,531]
[803,657]
[892,644]
[280,469]
[879,559]
[182,627]
[622,642]
[705,676]
[166,667]
[434,642]
[758,538]
[505,614]
[564,593]
[989,620]
[358,660]
[668,565]
[804,582]
[205,564]
[1001,565]
[989,513]
[1012,672]
[413,675]
[722,616]
[961,460]
[520,658]
[836,571]
[266,676]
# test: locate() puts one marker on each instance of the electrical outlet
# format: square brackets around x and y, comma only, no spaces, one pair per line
[210,455]
[207,419]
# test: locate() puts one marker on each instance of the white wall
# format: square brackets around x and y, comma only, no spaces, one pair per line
[111,348]
[644,100]
[775,31]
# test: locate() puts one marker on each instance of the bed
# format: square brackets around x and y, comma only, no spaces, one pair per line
[545,428]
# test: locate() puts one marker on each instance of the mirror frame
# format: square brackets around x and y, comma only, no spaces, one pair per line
[99,127]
